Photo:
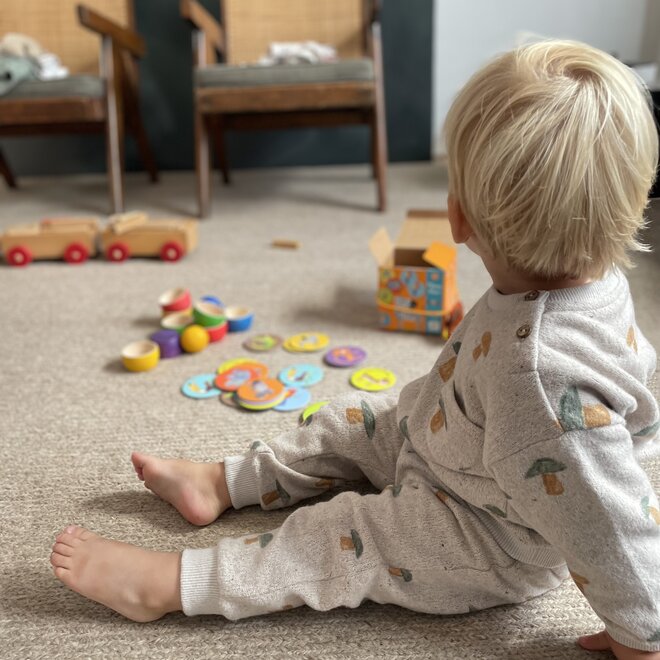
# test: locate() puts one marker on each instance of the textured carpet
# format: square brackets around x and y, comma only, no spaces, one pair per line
[70,415]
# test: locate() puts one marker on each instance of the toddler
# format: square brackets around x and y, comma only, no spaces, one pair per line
[516,461]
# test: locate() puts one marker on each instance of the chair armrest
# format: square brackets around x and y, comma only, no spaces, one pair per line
[121,36]
[201,20]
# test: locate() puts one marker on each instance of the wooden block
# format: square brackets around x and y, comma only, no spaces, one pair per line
[285,243]
[123,222]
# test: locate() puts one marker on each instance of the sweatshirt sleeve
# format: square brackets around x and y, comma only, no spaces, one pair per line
[587,495]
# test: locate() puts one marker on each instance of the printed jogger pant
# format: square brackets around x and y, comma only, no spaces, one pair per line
[404,545]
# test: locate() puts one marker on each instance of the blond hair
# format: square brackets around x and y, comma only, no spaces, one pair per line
[552,150]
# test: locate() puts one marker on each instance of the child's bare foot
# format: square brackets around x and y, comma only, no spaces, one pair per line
[143,585]
[197,490]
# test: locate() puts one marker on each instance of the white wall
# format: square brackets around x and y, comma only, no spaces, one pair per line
[467,33]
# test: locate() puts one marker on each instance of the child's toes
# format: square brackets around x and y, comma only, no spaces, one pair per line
[73,535]
[63,574]
[60,561]
[138,461]
[67,538]
[64,538]
[76,532]
[84,534]
[63,549]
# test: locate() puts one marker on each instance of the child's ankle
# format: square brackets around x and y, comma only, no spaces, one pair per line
[223,490]
[172,591]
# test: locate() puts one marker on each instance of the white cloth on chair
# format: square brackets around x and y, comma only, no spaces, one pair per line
[298,52]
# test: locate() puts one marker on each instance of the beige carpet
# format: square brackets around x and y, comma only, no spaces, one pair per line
[70,415]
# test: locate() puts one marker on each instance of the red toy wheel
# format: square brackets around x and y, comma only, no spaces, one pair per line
[171,251]
[76,253]
[19,256]
[117,252]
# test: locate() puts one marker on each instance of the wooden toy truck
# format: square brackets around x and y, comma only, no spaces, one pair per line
[134,235]
[77,239]
[71,239]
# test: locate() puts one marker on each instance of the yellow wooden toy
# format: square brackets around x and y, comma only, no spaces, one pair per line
[140,355]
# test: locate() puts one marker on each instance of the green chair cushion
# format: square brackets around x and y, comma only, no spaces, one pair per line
[79,85]
[221,75]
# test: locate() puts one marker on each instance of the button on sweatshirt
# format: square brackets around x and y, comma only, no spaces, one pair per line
[537,416]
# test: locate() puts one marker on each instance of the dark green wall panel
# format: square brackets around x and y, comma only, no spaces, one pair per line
[167,107]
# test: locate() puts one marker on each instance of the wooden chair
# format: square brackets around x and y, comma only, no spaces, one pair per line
[239,95]
[87,101]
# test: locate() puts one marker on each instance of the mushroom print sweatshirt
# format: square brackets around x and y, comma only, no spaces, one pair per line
[537,416]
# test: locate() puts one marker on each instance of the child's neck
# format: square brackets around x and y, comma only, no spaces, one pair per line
[507,281]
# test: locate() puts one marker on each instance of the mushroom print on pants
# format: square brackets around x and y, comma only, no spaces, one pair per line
[413,550]
[649,510]
[363,415]
[411,544]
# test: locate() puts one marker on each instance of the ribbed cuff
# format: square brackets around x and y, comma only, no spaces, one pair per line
[200,593]
[545,557]
[241,477]
[633,642]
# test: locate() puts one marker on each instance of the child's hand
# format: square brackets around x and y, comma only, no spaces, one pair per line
[603,642]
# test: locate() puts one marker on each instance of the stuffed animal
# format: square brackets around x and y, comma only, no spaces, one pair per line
[20,45]
[25,59]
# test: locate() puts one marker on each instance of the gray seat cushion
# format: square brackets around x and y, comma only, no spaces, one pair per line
[79,86]
[221,75]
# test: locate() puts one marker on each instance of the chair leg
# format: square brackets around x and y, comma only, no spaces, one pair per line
[378,119]
[202,162]
[6,172]
[114,127]
[146,154]
[372,129]
[221,147]
[380,158]
[114,137]
[133,115]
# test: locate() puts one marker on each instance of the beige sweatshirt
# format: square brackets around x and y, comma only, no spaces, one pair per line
[537,415]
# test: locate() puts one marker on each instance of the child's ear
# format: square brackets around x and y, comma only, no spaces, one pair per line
[460,227]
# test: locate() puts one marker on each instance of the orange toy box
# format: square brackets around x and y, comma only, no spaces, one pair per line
[417,276]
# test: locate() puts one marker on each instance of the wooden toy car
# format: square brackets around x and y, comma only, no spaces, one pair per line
[71,239]
[134,235]
[77,239]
